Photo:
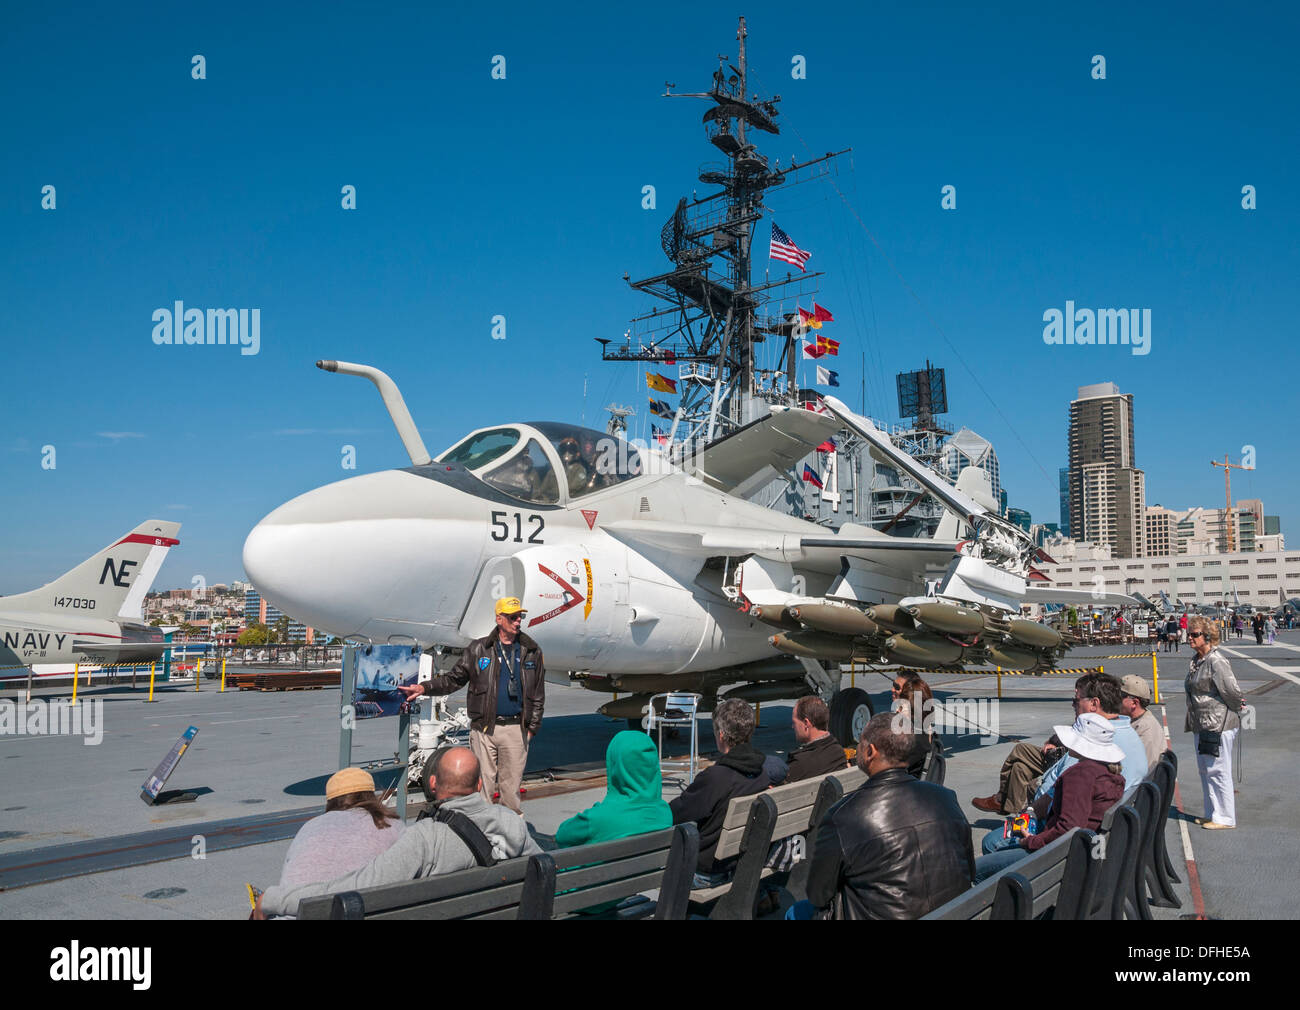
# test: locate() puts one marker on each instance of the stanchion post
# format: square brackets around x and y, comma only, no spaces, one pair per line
[223,675]
[1155,680]
[152,668]
[853,674]
[999,682]
[76,671]
[198,672]
[758,709]
[29,683]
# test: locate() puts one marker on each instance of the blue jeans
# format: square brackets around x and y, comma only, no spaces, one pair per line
[990,864]
[994,842]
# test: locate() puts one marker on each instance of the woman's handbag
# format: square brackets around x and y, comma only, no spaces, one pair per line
[1208,741]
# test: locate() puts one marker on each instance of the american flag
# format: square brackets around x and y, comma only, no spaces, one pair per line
[784,249]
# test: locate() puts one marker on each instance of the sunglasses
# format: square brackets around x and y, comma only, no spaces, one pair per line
[1196,634]
[514,617]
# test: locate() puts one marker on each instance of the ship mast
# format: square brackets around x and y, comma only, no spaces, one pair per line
[715,314]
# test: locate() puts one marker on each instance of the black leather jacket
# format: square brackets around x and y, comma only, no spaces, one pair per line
[894,848]
[481,702]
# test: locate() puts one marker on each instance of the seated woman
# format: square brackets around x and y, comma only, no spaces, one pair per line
[911,694]
[1083,794]
[354,829]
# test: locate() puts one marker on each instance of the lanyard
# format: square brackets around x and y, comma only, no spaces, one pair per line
[512,687]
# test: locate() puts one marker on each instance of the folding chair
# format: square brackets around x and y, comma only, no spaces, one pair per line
[677,708]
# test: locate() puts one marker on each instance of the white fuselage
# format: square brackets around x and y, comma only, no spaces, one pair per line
[398,556]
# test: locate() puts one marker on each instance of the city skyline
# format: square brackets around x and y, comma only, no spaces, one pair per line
[523,198]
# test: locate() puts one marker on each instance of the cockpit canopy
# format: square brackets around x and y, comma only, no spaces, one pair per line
[541,462]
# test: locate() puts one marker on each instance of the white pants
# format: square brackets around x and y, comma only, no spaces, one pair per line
[1216,780]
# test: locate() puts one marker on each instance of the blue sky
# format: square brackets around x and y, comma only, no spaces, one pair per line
[522,197]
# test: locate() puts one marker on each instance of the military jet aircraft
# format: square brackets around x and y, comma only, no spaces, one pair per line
[93,613]
[645,574]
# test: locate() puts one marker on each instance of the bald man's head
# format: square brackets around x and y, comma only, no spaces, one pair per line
[455,773]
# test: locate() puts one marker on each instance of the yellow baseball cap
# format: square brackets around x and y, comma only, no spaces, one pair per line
[349,780]
[510,605]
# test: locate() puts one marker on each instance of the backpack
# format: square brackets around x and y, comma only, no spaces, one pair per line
[464,829]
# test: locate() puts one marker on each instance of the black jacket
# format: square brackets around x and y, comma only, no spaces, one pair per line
[816,758]
[482,679]
[739,772]
[894,848]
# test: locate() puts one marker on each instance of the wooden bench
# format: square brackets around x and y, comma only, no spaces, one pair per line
[590,876]
[1058,881]
[753,823]
[1159,870]
[522,888]
[526,888]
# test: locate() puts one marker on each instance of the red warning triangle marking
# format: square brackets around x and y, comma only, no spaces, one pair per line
[590,516]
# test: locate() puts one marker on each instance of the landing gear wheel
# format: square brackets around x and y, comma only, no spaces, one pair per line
[850,711]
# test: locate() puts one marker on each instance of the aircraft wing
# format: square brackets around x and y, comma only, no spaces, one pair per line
[762,450]
[1048,594]
[818,549]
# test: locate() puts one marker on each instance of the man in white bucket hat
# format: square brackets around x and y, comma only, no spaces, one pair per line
[1083,794]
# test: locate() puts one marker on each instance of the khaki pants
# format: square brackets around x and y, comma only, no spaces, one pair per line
[501,755]
[1025,764]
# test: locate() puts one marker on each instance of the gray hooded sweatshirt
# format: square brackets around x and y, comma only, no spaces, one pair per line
[425,849]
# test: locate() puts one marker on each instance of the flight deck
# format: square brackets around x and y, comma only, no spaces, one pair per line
[77,842]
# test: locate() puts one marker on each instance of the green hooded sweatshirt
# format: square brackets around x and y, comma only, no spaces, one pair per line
[633,802]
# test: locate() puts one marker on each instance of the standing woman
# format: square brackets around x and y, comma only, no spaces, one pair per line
[1213,700]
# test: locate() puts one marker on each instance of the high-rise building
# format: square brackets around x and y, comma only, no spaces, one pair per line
[1064,485]
[969,449]
[1107,491]
[1162,531]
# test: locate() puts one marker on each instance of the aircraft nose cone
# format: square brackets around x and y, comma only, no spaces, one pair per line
[288,565]
[378,557]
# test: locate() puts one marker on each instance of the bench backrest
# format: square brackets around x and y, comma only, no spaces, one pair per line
[1061,876]
[1115,875]
[590,875]
[520,888]
[1004,896]
[795,805]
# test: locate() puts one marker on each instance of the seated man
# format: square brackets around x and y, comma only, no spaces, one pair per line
[633,802]
[1083,794]
[738,771]
[818,752]
[431,846]
[1102,696]
[1134,698]
[895,847]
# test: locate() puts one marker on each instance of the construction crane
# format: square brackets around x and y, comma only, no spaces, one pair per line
[1228,515]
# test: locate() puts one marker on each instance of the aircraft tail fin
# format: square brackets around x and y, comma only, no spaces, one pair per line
[975,483]
[112,583]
